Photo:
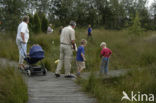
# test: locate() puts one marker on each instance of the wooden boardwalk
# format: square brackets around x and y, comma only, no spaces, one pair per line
[111,74]
[48,89]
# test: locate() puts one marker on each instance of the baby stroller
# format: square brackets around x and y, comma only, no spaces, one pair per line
[36,54]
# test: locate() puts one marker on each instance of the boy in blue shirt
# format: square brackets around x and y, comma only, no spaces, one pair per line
[89,31]
[80,57]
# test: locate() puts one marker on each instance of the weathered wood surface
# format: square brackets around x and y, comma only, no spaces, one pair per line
[111,74]
[48,89]
[6,62]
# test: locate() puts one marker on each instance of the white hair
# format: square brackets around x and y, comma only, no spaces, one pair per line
[103,44]
[72,23]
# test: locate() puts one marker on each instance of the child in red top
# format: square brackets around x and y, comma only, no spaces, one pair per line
[105,54]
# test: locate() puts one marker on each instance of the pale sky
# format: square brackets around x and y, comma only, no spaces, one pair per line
[150,2]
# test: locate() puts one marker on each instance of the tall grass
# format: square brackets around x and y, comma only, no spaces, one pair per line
[8,48]
[12,86]
[110,90]
[127,52]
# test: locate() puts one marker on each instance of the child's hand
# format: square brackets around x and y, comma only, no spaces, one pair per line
[84,59]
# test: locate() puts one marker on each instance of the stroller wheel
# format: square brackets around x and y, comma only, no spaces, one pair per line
[44,71]
[29,73]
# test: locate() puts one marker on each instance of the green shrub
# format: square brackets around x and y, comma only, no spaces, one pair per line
[12,86]
[48,63]
[31,23]
[37,24]
[136,29]
[44,24]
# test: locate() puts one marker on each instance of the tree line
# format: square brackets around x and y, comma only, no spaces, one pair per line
[111,14]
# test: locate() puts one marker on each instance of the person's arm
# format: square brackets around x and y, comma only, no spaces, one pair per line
[23,31]
[73,39]
[101,54]
[83,56]
[73,43]
[23,38]
[110,53]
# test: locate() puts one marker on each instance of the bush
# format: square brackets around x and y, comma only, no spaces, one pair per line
[136,29]
[31,23]
[12,86]
[44,24]
[37,24]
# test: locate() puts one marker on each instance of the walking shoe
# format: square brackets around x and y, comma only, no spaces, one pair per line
[69,76]
[57,75]
[78,74]
[22,68]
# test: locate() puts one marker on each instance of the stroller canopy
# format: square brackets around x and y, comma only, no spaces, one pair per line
[36,52]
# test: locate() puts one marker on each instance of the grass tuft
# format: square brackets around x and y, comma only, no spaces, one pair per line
[12,86]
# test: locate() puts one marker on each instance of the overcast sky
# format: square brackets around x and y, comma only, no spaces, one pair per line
[150,2]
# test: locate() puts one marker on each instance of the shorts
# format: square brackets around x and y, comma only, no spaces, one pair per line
[81,64]
[89,34]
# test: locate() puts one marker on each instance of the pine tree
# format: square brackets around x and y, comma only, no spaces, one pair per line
[37,24]
[136,27]
[44,24]
[31,22]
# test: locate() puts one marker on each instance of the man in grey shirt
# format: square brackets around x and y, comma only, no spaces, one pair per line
[67,44]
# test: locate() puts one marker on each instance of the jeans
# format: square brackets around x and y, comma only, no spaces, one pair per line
[104,65]
[22,51]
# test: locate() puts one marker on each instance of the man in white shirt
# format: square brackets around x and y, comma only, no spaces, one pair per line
[22,39]
[67,44]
